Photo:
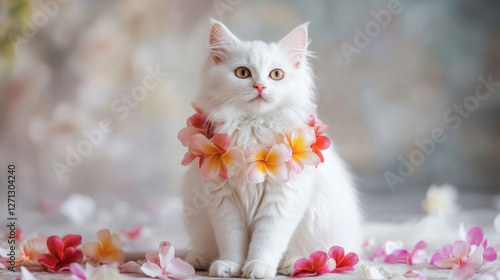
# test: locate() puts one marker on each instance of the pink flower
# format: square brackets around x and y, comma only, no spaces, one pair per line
[265,161]
[459,256]
[301,141]
[317,263]
[31,249]
[62,252]
[166,265]
[416,256]
[343,262]
[197,123]
[215,155]
[475,237]
[322,142]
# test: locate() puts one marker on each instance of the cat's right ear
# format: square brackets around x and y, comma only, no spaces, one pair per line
[221,39]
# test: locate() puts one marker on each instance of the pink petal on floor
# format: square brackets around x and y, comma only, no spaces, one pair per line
[328,267]
[337,253]
[476,258]
[151,269]
[166,255]
[77,270]
[303,264]
[398,256]
[462,272]
[179,269]
[489,254]
[447,263]
[461,249]
[55,246]
[72,240]
[153,257]
[474,236]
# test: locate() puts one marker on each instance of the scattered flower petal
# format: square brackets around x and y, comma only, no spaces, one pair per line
[344,262]
[317,263]
[62,252]
[165,264]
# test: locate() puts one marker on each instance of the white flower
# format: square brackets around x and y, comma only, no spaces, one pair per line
[440,199]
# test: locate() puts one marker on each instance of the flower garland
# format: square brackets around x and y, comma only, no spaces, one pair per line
[301,147]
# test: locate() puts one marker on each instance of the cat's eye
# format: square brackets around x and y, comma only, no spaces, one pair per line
[242,72]
[277,74]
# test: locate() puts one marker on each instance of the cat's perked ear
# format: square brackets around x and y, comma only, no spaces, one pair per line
[295,44]
[221,39]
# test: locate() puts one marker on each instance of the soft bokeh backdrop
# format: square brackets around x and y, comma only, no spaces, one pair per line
[389,74]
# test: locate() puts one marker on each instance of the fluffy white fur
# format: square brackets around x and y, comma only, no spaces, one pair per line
[256,230]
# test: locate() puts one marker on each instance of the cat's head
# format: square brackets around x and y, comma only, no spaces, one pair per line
[253,78]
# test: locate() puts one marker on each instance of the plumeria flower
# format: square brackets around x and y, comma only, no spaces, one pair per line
[62,252]
[31,249]
[105,272]
[197,123]
[107,248]
[475,237]
[216,155]
[166,265]
[459,256]
[343,262]
[317,263]
[265,161]
[322,142]
[301,141]
[416,256]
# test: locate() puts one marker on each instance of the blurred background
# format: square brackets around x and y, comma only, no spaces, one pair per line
[391,76]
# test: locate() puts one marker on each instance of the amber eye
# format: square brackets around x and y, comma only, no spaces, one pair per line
[277,74]
[242,72]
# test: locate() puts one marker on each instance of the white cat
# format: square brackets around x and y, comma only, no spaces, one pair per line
[256,92]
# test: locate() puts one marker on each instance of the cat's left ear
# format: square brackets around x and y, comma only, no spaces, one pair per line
[295,43]
[221,39]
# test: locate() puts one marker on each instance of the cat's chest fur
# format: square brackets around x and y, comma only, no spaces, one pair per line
[264,130]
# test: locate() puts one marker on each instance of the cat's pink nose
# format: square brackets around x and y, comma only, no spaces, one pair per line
[259,87]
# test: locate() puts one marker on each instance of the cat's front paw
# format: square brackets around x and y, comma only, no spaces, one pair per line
[225,268]
[258,269]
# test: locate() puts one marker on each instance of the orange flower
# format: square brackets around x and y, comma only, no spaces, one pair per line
[301,141]
[107,248]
